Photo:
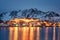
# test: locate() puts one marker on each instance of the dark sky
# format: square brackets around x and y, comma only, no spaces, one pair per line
[44,5]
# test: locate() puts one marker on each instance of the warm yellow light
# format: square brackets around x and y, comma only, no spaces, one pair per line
[17,25]
[16,20]
[29,21]
[59,24]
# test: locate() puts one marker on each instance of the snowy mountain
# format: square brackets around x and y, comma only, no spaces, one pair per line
[28,13]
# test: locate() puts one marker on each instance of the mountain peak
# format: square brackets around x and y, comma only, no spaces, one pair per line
[28,13]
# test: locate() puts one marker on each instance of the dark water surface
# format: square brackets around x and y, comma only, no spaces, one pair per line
[30,33]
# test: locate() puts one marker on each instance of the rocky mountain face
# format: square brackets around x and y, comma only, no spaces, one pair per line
[28,13]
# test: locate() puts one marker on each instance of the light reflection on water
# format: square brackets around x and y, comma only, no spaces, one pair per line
[29,33]
[24,33]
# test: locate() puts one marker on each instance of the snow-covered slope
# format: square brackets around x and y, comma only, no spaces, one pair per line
[28,13]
